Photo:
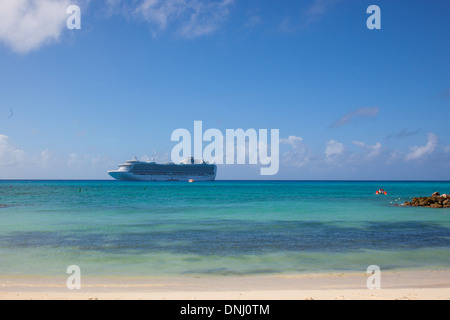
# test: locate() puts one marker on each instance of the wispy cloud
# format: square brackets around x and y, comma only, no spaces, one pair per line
[18,163]
[253,21]
[286,25]
[190,18]
[14,157]
[310,14]
[356,114]
[11,113]
[419,152]
[26,25]
[79,160]
[317,9]
[403,134]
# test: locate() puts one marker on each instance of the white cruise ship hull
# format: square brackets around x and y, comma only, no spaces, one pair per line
[127,176]
[189,169]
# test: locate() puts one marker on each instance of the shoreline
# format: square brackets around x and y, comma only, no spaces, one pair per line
[405,285]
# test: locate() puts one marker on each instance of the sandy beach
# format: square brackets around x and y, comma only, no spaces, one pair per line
[395,285]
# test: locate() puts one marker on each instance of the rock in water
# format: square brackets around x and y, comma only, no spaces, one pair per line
[435,201]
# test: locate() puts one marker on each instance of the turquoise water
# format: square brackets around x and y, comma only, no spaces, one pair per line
[218,228]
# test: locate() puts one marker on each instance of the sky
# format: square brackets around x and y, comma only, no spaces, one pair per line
[350,103]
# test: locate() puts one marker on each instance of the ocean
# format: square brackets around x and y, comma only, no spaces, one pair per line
[221,228]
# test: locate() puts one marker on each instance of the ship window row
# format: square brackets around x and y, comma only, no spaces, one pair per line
[174,169]
[174,173]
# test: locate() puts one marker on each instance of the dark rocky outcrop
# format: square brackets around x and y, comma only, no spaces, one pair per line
[435,201]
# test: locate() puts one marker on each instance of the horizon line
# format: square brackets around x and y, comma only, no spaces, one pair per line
[236,180]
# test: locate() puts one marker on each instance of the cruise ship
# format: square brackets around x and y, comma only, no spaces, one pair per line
[188,170]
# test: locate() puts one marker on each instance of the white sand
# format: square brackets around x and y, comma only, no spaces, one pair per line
[423,285]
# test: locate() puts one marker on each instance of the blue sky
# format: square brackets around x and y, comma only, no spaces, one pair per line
[350,103]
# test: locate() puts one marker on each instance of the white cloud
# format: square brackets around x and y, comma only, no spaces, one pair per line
[192,18]
[42,159]
[333,149]
[295,142]
[418,152]
[12,156]
[300,153]
[16,163]
[26,25]
[9,153]
[371,151]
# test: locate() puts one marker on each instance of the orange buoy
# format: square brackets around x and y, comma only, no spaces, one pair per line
[385,192]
